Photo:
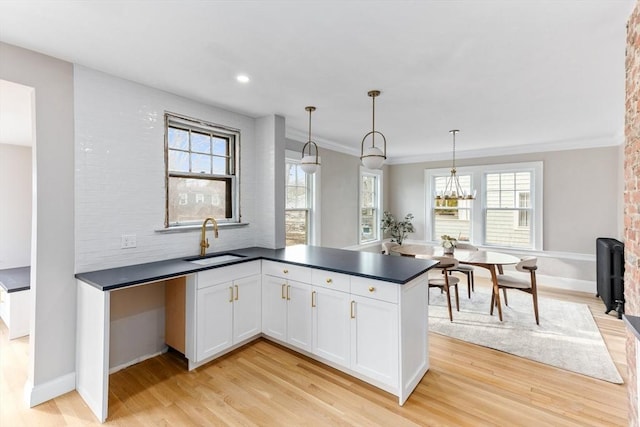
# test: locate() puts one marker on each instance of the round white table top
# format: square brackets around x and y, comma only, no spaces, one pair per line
[464,256]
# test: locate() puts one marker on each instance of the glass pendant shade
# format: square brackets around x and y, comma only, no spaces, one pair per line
[373,157]
[309,164]
[310,159]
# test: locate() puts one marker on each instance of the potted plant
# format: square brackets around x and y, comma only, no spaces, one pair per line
[397,229]
[448,243]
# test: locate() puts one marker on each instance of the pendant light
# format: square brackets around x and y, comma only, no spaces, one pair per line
[452,189]
[310,160]
[372,157]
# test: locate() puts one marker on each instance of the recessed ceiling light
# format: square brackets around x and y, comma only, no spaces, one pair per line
[242,78]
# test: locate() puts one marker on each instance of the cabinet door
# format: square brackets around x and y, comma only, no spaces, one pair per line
[374,339]
[214,314]
[331,327]
[299,314]
[247,308]
[274,307]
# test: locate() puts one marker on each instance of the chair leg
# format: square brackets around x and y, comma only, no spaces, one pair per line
[446,288]
[504,292]
[473,281]
[468,273]
[457,299]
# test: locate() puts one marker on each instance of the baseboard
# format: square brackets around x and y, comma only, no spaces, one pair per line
[35,395]
[137,360]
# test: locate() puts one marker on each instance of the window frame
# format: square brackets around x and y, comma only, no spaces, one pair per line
[232,180]
[478,206]
[379,203]
[314,180]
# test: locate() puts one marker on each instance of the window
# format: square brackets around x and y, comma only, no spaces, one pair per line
[298,203]
[301,204]
[370,205]
[508,209]
[506,213]
[201,171]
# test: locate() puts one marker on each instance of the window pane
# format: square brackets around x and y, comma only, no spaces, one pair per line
[200,163]
[503,228]
[200,142]
[195,199]
[220,165]
[178,138]
[178,161]
[369,223]
[219,146]
[296,227]
[453,222]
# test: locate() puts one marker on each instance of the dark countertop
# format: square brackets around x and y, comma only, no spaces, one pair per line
[15,279]
[633,324]
[371,265]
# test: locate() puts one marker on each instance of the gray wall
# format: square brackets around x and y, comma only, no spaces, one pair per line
[582,194]
[339,196]
[53,324]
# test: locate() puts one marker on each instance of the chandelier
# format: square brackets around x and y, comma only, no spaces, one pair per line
[310,160]
[452,189]
[372,157]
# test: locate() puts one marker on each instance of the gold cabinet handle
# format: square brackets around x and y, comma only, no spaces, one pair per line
[285,271]
[313,299]
[372,289]
[230,294]
[237,292]
[288,292]
[353,311]
[329,281]
[282,291]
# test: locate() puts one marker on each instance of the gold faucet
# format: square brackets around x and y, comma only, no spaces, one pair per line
[204,242]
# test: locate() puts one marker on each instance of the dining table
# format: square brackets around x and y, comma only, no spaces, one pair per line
[492,261]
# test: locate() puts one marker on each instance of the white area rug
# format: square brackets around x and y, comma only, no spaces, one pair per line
[567,337]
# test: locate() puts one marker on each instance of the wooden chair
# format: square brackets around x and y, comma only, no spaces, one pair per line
[445,281]
[467,270]
[525,284]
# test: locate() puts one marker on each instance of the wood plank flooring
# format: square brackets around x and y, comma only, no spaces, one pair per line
[264,384]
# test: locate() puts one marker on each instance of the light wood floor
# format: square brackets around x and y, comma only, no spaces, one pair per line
[263,384]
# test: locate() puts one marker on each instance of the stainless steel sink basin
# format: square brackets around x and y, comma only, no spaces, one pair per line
[215,259]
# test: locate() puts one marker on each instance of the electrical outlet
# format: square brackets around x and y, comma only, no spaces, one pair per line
[128,241]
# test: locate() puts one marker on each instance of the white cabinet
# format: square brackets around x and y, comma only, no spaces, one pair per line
[286,304]
[331,325]
[374,339]
[214,320]
[226,313]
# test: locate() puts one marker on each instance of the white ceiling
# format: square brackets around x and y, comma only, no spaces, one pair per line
[512,75]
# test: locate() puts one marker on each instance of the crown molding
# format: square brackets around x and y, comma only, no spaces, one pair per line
[324,143]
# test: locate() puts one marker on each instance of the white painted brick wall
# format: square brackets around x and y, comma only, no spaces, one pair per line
[119,148]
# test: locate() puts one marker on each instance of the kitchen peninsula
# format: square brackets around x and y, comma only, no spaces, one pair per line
[362,313]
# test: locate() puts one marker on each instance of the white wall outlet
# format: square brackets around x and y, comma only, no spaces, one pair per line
[128,241]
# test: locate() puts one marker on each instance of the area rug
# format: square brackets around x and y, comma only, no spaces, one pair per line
[567,336]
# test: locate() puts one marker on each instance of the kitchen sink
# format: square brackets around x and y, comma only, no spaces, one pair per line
[214,259]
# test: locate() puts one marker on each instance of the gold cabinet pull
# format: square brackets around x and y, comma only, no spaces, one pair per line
[237,292]
[371,289]
[313,299]
[288,292]
[329,281]
[353,311]
[282,291]
[285,271]
[230,294]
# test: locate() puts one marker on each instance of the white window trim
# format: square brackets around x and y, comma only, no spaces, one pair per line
[378,173]
[478,208]
[315,232]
